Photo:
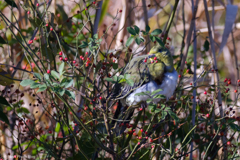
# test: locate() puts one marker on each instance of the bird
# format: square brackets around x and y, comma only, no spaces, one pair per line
[149,73]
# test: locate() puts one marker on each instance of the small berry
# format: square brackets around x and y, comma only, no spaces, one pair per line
[66,59]
[50,132]
[121,41]
[238,81]
[60,58]
[140,109]
[228,143]
[185,62]
[179,76]
[149,5]
[74,61]
[207,115]
[156,61]
[168,38]
[229,82]
[205,92]
[139,143]
[141,130]
[100,98]
[51,29]
[60,53]
[155,58]
[114,61]
[85,9]
[30,41]
[235,91]
[120,11]
[139,138]
[94,2]
[28,12]
[187,70]
[37,4]
[46,24]
[145,60]
[35,38]
[86,53]
[48,71]
[15,156]
[152,61]
[190,83]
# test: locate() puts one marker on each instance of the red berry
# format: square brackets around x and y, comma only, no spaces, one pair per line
[235,91]
[187,70]
[50,132]
[35,38]
[83,58]
[85,8]
[51,29]
[139,143]
[145,60]
[74,61]
[28,12]
[60,53]
[120,11]
[94,2]
[190,83]
[168,38]
[179,76]
[15,156]
[229,82]
[205,92]
[156,61]
[149,5]
[100,98]
[152,61]
[151,140]
[207,115]
[185,62]
[46,24]
[60,58]
[238,81]
[228,143]
[85,108]
[114,61]
[146,132]
[76,65]
[48,71]
[30,41]
[141,130]
[140,109]
[86,53]
[155,58]
[65,59]
[37,4]
[139,138]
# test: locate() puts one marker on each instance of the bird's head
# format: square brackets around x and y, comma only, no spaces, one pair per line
[163,55]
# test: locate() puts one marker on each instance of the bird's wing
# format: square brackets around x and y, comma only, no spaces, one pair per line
[140,74]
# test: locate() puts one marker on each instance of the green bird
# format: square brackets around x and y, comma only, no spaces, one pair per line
[148,73]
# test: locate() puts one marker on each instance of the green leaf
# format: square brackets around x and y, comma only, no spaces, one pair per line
[173,115]
[37,75]
[11,3]
[22,110]
[4,101]
[62,91]
[60,69]
[55,74]
[234,127]
[68,83]
[131,31]
[26,82]
[152,38]
[83,45]
[130,82]
[95,36]
[160,96]
[35,85]
[46,76]
[129,41]
[2,41]
[57,128]
[164,114]
[70,94]
[156,32]
[136,29]
[144,33]
[115,65]
[110,80]
[3,117]
[138,40]
[206,45]
[147,28]
[156,91]
[159,41]
[42,88]
[142,93]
